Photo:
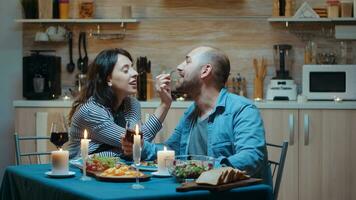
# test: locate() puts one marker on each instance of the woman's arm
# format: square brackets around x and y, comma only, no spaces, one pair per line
[164,91]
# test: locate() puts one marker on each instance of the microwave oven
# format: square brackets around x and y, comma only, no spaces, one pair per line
[327,82]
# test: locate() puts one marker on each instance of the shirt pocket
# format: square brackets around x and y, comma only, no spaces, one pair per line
[223,148]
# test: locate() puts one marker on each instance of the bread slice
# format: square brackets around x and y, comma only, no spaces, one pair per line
[211,177]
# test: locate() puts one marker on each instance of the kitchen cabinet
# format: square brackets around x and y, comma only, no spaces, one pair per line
[320,163]
[326,154]
[280,125]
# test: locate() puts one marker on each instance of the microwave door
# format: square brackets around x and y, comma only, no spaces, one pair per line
[327,82]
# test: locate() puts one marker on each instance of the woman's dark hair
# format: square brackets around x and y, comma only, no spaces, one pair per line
[97,85]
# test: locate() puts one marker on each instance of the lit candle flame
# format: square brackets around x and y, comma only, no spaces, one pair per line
[60,149]
[137,130]
[164,148]
[85,134]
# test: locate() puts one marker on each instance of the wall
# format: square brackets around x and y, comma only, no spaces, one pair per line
[168,29]
[10,77]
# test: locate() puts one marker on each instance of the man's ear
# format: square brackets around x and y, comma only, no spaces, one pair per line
[206,70]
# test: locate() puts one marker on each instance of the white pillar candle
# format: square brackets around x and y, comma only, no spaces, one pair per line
[84,144]
[137,146]
[163,157]
[59,162]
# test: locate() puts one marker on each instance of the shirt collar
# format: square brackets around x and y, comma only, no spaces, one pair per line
[220,103]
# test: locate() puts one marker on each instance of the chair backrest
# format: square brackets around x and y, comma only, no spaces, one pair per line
[19,154]
[278,165]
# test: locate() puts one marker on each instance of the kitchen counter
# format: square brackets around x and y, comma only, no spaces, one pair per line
[185,104]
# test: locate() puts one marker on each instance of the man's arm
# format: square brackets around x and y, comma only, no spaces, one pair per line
[249,141]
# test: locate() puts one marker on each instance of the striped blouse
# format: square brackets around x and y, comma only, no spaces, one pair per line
[105,128]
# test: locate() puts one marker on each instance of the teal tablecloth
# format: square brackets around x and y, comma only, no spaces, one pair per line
[29,182]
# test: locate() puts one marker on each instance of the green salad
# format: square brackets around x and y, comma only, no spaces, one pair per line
[190,169]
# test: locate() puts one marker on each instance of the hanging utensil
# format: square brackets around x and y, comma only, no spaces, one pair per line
[80,59]
[70,65]
[85,59]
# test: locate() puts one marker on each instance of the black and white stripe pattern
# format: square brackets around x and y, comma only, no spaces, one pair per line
[105,128]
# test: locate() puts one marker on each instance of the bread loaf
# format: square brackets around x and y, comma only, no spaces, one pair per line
[221,176]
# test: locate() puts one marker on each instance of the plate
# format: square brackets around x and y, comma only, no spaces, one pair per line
[97,175]
[70,174]
[146,168]
[160,175]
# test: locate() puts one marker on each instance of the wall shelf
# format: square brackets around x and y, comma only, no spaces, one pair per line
[77,21]
[311,20]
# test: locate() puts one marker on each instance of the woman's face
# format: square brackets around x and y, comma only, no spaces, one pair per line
[123,78]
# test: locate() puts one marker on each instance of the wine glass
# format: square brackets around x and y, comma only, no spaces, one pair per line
[136,156]
[59,134]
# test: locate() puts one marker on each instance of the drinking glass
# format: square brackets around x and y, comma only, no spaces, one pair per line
[59,134]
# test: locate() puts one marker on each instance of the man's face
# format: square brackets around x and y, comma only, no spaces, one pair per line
[189,72]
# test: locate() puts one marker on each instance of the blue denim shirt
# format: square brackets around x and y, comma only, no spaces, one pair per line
[236,136]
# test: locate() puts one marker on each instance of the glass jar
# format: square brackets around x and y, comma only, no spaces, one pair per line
[86,9]
[333,8]
[63,9]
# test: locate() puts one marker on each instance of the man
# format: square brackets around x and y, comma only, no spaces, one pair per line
[219,124]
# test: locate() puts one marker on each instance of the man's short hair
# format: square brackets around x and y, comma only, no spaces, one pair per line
[220,64]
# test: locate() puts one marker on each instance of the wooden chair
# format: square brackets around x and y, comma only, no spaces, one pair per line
[277,166]
[20,154]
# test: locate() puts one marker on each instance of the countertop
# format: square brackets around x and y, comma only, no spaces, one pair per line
[185,104]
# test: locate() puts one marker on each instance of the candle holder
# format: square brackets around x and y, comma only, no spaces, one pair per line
[84,176]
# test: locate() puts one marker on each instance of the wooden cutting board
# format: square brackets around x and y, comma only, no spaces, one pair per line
[190,186]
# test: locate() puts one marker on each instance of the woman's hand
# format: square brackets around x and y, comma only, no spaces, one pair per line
[163,88]
[127,146]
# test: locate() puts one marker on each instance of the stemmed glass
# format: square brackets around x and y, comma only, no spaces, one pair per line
[59,134]
[136,148]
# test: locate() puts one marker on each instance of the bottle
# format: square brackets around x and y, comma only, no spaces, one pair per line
[63,9]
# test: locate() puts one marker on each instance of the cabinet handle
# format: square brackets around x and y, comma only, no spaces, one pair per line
[306,129]
[291,129]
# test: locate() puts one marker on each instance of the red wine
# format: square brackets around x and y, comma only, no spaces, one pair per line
[130,135]
[59,138]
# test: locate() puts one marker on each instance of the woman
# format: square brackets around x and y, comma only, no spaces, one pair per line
[104,106]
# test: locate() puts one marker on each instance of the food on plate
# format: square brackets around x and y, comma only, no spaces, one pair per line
[121,170]
[221,176]
[190,170]
[149,163]
[98,163]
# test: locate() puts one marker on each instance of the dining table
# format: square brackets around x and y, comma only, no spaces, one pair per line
[30,182]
